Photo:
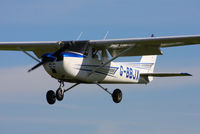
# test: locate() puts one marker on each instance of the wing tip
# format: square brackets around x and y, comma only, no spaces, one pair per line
[186,74]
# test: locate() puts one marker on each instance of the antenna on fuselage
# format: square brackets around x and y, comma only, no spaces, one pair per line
[78,38]
[106,35]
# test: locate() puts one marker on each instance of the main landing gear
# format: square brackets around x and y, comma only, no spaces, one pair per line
[51,96]
[116,95]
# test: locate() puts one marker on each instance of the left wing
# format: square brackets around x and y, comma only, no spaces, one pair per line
[164,74]
[144,46]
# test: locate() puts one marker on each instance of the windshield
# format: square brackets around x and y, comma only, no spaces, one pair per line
[80,48]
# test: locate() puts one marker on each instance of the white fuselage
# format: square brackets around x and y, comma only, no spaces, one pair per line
[76,67]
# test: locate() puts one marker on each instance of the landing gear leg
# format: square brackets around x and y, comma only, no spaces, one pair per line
[116,95]
[71,87]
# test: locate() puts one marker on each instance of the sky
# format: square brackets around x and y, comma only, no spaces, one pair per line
[167,105]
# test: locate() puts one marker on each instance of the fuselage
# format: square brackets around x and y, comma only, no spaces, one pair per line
[76,67]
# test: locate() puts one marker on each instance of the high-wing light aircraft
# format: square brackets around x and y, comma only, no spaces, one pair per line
[88,61]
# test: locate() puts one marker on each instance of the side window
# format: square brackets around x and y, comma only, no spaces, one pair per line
[99,54]
[96,54]
[86,51]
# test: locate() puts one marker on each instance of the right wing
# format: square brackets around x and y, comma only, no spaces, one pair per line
[38,47]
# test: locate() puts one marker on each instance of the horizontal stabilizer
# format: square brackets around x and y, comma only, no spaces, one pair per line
[164,74]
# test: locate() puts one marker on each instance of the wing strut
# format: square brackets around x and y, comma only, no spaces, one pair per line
[104,38]
[104,88]
[78,38]
[29,55]
[124,51]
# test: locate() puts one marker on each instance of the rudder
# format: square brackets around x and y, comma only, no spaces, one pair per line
[149,59]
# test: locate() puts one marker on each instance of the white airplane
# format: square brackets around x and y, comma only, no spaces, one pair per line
[88,61]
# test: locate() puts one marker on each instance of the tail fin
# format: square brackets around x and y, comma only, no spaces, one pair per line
[149,59]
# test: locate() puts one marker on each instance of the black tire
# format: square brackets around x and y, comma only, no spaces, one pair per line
[51,97]
[117,96]
[59,94]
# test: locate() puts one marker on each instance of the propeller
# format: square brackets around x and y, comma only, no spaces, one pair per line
[50,57]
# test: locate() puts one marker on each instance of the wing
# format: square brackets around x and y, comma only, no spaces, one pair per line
[140,46]
[144,46]
[164,74]
[38,47]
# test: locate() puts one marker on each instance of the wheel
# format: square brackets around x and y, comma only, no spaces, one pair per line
[51,97]
[117,96]
[59,94]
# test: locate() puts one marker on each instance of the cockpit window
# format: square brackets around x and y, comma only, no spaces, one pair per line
[96,53]
[80,48]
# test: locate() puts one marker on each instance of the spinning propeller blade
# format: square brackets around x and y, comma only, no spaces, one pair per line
[36,66]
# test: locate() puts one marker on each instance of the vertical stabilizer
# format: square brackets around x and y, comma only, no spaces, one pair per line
[149,59]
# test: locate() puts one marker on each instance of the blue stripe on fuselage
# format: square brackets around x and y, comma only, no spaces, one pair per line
[70,54]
